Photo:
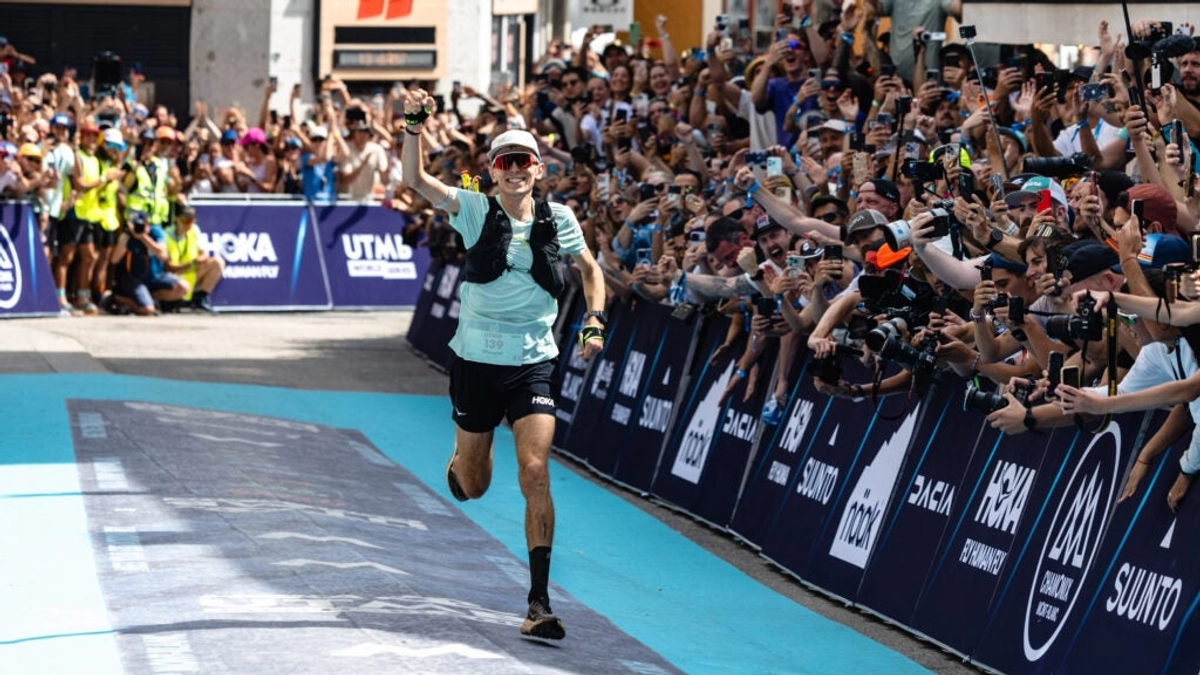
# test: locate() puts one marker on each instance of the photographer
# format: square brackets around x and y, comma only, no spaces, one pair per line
[140,256]
[187,259]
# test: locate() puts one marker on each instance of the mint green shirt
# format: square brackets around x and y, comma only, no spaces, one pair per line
[508,321]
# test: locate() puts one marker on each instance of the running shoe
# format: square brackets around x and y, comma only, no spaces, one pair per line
[541,622]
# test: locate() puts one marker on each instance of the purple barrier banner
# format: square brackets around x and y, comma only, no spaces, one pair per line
[26,288]
[777,462]
[638,455]
[913,533]
[369,264]
[827,458]
[591,405]
[272,256]
[1071,566]
[642,325]
[436,316]
[1007,484]
[703,466]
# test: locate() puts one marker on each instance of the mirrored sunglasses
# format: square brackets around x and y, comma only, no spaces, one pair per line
[516,160]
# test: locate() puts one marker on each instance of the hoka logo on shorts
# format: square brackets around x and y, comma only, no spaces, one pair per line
[1076,531]
[863,514]
[10,272]
[698,438]
[244,252]
[378,256]
[1005,497]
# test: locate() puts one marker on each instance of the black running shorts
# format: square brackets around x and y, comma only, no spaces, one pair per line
[483,394]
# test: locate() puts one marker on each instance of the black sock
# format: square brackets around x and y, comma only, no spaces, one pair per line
[539,574]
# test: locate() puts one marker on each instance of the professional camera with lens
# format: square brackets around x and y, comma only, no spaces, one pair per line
[1086,324]
[1059,167]
[898,234]
[895,327]
[920,361]
[983,402]
[921,171]
[138,221]
[829,369]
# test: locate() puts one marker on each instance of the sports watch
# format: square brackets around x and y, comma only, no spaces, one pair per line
[603,316]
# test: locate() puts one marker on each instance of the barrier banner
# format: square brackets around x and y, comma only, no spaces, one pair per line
[643,323]
[571,376]
[438,309]
[591,414]
[1006,484]
[848,537]
[775,465]
[26,287]
[916,524]
[639,454]
[1092,563]
[272,256]
[827,459]
[369,264]
[416,325]
[684,460]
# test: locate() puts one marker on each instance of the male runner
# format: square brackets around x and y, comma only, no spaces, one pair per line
[505,353]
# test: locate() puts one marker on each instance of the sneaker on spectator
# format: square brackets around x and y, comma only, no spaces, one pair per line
[202,302]
[67,309]
[772,412]
[87,307]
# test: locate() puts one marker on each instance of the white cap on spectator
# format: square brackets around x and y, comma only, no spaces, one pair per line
[318,132]
[833,125]
[514,139]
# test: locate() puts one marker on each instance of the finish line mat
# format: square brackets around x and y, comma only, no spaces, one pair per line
[233,543]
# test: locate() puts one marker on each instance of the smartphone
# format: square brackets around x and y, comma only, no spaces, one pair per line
[1136,209]
[861,168]
[621,115]
[774,166]
[1054,371]
[624,143]
[674,194]
[273,80]
[646,192]
[1044,81]
[834,252]
[1016,309]
[602,189]
[696,237]
[635,34]
[726,43]
[997,182]
[645,256]
[1045,200]
[1093,92]
[766,306]
[814,73]
[888,69]
[1194,238]
[1069,376]
[985,270]
[603,28]
[795,262]
[781,34]
[933,75]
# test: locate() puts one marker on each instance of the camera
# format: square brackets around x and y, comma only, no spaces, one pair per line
[1085,324]
[922,171]
[983,402]
[138,221]
[967,32]
[1059,167]
[928,37]
[898,234]
[893,328]
[1093,92]
[920,361]
[756,159]
[829,369]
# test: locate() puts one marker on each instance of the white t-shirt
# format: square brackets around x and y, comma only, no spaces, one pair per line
[374,160]
[1068,142]
[762,126]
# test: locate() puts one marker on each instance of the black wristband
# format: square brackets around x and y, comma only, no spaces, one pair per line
[416,118]
[1030,421]
[410,132]
[589,333]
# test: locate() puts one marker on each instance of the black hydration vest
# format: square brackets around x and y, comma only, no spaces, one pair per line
[488,258]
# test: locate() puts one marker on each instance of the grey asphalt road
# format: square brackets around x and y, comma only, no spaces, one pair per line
[346,351]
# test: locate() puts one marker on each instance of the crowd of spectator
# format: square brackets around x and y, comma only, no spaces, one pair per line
[885,198]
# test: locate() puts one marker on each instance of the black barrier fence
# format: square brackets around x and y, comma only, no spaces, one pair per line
[1013,551]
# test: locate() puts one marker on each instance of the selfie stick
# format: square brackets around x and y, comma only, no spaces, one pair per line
[968,33]
[1135,53]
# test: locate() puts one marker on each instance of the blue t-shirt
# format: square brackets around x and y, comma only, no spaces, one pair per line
[780,93]
[319,180]
[508,321]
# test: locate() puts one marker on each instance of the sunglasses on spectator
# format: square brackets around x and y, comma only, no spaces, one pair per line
[737,214]
[516,160]
[831,84]
[829,217]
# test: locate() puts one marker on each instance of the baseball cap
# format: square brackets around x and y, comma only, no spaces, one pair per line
[293,142]
[1157,206]
[866,219]
[884,257]
[765,224]
[229,136]
[165,133]
[833,125]
[886,189]
[810,250]
[1038,183]
[516,140]
[89,128]
[254,136]
[113,138]
[1088,257]
[30,150]
[318,132]
[1160,250]
[60,120]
